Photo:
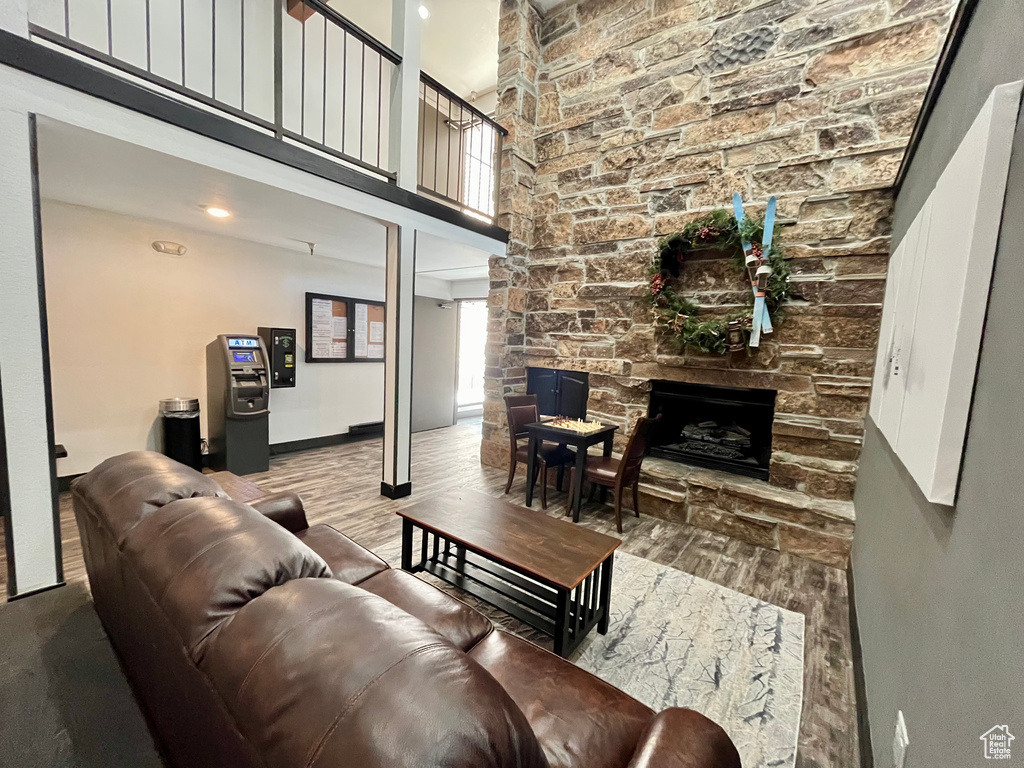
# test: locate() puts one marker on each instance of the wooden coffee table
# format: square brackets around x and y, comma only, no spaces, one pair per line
[548,573]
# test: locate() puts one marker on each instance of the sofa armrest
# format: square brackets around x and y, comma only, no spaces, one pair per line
[284,508]
[682,738]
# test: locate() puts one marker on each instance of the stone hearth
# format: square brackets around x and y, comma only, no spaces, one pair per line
[630,118]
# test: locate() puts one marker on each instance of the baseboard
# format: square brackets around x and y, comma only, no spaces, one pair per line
[867,757]
[30,593]
[368,428]
[395,491]
[292,446]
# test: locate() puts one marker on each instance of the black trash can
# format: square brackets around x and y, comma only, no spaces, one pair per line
[182,440]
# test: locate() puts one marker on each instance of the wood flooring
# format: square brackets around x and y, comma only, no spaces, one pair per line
[340,486]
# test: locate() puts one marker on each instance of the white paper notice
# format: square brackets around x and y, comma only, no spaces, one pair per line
[375,350]
[376,334]
[339,350]
[340,328]
[322,327]
[361,330]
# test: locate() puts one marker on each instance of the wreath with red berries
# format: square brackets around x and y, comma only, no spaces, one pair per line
[679,316]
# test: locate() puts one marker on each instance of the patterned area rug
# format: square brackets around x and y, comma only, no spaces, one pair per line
[676,640]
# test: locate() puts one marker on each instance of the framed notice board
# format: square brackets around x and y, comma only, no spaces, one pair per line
[340,329]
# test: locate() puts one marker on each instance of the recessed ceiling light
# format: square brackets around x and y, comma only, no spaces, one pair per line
[424,12]
[217,213]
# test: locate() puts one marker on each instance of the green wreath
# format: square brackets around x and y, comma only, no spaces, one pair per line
[679,316]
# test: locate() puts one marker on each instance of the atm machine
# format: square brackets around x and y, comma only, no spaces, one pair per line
[238,404]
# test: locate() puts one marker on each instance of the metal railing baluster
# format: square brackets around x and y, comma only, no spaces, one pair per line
[181,5]
[302,97]
[423,132]
[362,101]
[448,152]
[241,54]
[462,129]
[110,29]
[323,114]
[149,40]
[344,89]
[380,101]
[213,48]
[437,132]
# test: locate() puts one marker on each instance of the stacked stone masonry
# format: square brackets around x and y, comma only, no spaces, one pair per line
[630,118]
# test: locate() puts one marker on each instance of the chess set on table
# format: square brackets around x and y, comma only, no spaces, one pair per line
[576,425]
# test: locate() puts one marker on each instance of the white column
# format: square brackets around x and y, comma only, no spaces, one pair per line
[401,278]
[406,30]
[33,534]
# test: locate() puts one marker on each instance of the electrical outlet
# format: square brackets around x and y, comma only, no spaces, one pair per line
[900,742]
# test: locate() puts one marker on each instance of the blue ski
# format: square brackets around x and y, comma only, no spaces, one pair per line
[761,319]
[753,264]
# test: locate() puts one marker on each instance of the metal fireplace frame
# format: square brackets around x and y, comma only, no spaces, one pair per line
[757,405]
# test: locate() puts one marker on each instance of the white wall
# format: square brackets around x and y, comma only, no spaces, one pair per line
[129,326]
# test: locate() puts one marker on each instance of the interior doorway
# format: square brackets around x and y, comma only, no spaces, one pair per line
[469,400]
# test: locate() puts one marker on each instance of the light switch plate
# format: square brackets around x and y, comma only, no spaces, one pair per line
[900,742]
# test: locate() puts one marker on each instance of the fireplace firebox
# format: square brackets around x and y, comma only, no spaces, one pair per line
[723,428]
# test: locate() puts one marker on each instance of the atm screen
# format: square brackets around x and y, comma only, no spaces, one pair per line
[244,357]
[236,343]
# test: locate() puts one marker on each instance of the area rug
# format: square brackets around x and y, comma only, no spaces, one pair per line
[676,640]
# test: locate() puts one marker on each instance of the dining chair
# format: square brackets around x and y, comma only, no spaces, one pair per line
[521,410]
[618,474]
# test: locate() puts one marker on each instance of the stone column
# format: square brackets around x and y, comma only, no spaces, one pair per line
[518,59]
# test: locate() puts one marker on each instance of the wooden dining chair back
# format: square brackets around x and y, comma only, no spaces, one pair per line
[622,473]
[521,410]
[517,401]
[636,450]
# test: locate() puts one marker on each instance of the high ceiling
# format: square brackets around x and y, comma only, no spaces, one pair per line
[85,168]
[460,39]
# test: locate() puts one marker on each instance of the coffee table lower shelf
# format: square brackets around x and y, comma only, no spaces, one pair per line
[567,615]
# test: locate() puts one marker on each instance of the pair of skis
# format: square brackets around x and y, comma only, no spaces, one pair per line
[758,267]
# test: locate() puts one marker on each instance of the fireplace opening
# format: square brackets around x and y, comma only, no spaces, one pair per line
[723,428]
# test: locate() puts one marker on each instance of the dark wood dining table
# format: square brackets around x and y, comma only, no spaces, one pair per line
[543,430]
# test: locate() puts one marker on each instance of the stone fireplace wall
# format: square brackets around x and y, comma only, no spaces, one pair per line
[629,118]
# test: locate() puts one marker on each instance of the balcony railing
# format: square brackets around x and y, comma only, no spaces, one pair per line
[460,151]
[296,70]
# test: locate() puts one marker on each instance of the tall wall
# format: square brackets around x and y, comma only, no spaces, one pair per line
[650,112]
[939,590]
[518,69]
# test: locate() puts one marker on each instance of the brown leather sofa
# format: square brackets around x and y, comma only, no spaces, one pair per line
[253,639]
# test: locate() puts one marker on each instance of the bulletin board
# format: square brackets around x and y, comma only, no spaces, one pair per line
[340,329]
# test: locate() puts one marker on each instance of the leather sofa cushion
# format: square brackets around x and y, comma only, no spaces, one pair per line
[123,490]
[579,720]
[455,621]
[348,561]
[203,559]
[320,673]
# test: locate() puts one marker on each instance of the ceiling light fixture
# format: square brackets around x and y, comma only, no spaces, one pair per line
[424,12]
[217,213]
